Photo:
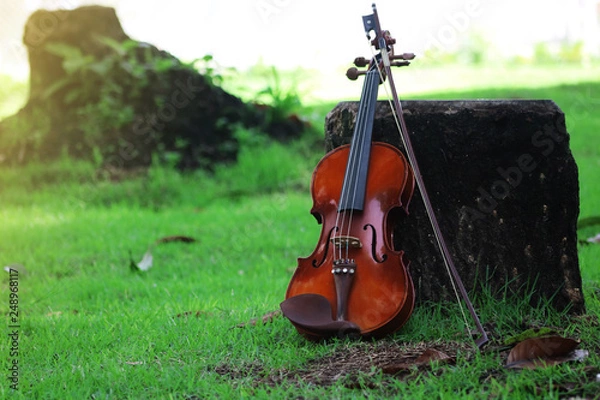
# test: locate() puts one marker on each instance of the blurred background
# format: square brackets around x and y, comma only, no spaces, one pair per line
[292,56]
[321,38]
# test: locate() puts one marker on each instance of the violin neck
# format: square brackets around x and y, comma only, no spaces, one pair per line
[357,167]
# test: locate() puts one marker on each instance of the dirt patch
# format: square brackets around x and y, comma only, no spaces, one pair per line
[353,364]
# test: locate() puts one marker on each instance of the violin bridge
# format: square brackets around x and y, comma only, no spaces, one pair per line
[345,242]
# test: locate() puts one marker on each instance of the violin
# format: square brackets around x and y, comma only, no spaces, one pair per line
[355,283]
[354,272]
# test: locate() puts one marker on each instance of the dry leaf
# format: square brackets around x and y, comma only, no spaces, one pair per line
[535,352]
[15,267]
[54,314]
[431,355]
[146,262]
[595,239]
[428,356]
[575,355]
[175,238]
[393,369]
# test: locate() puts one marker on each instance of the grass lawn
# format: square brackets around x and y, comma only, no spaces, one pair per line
[90,327]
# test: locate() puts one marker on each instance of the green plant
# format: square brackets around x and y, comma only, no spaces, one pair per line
[542,53]
[97,95]
[475,49]
[282,101]
[95,87]
[209,70]
[572,52]
[263,166]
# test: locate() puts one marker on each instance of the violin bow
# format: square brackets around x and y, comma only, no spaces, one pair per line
[371,23]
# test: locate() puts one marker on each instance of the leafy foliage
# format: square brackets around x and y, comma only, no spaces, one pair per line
[94,102]
[282,101]
[206,66]
[101,90]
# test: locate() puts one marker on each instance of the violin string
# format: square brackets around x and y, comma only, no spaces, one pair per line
[345,218]
[401,133]
[344,196]
[358,154]
[341,220]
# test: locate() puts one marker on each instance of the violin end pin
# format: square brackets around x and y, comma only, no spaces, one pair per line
[481,341]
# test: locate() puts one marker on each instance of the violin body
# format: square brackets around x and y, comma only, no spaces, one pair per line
[380,297]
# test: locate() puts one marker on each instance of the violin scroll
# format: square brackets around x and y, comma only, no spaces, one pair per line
[382,40]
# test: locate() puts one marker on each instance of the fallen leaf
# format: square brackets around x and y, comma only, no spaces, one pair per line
[146,263]
[15,267]
[575,355]
[595,239]
[392,369]
[175,238]
[143,265]
[535,352]
[424,359]
[54,314]
[431,355]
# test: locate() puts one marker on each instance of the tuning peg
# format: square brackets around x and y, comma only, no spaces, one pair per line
[404,56]
[353,73]
[361,62]
[400,63]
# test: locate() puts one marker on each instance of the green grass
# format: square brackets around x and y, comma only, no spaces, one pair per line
[92,328]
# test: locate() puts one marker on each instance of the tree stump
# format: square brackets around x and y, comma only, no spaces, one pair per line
[504,187]
[95,90]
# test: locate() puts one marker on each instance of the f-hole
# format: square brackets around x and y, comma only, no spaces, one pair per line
[317,264]
[374,244]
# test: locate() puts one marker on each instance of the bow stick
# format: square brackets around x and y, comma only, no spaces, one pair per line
[381,41]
